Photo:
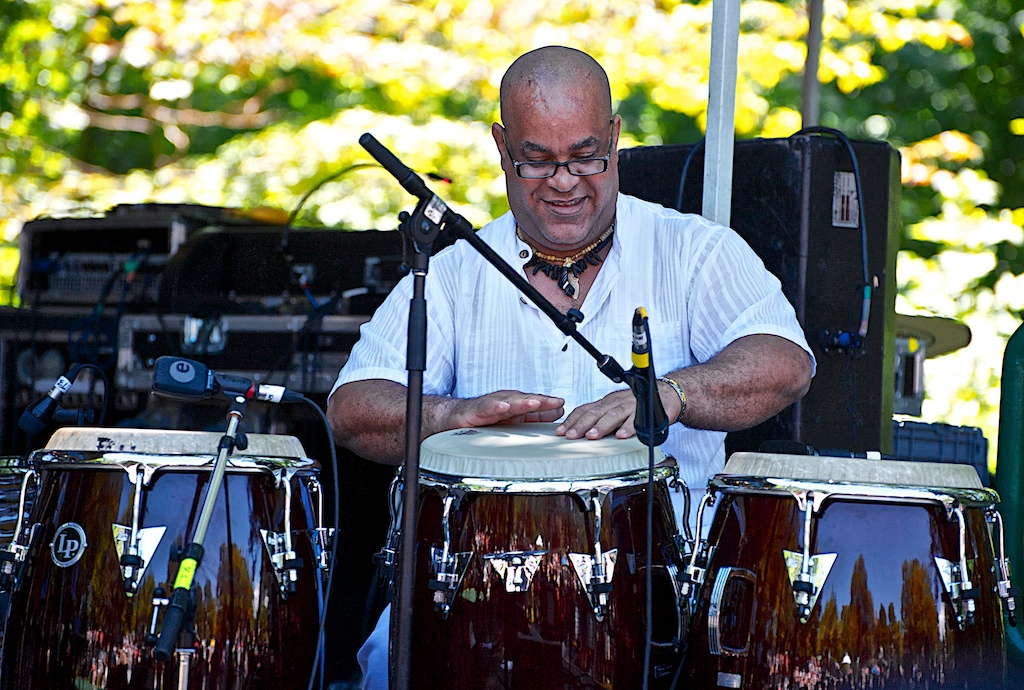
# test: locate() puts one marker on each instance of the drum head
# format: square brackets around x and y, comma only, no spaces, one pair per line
[853,470]
[530,452]
[169,442]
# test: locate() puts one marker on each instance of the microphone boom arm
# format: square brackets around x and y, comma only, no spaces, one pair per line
[462,228]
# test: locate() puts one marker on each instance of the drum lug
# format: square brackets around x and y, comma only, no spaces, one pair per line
[956,576]
[517,568]
[1007,592]
[807,582]
[449,568]
[279,544]
[807,572]
[284,560]
[159,599]
[135,548]
[960,590]
[595,572]
[386,558]
[698,552]
[321,536]
[14,554]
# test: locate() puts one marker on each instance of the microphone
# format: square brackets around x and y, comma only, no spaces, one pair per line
[409,180]
[34,419]
[189,381]
[644,387]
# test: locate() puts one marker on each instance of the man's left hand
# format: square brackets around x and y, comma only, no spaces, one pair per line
[612,414]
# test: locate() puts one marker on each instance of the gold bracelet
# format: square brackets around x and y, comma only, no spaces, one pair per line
[679,391]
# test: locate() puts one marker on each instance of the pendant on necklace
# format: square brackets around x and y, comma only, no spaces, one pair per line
[570,284]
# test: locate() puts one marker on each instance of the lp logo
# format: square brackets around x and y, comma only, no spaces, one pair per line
[68,544]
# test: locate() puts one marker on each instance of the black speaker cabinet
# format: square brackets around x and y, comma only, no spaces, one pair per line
[794,201]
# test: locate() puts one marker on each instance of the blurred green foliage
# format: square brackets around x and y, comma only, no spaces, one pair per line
[249,103]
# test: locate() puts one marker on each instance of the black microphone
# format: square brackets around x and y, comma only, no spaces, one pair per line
[403,173]
[34,419]
[643,388]
[190,381]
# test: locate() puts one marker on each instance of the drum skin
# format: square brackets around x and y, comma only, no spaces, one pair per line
[548,636]
[883,619]
[75,627]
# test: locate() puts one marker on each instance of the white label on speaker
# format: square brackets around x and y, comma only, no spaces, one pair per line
[845,207]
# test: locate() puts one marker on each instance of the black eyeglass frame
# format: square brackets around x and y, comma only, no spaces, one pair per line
[558,164]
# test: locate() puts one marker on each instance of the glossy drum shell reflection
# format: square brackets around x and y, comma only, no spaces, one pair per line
[883,620]
[75,626]
[547,636]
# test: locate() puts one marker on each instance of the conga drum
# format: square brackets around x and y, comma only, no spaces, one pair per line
[531,563]
[844,573]
[114,509]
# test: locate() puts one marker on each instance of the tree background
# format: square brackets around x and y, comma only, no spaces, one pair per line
[248,103]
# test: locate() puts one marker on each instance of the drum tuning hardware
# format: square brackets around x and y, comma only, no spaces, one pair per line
[279,544]
[956,577]
[321,535]
[595,571]
[1007,592]
[807,572]
[136,545]
[13,555]
[159,599]
[386,558]
[698,552]
[517,568]
[449,567]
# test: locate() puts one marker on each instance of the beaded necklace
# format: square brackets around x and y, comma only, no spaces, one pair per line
[566,270]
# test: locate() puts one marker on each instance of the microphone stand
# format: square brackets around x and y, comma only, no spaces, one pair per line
[178,610]
[430,216]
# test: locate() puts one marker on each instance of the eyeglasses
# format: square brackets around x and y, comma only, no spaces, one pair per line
[580,167]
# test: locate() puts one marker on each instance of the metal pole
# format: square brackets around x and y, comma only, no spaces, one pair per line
[725,34]
[810,106]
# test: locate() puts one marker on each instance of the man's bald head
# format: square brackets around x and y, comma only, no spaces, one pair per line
[555,68]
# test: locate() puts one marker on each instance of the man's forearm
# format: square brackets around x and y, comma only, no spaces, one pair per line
[748,382]
[368,418]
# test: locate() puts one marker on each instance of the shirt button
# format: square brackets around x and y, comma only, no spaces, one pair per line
[523,254]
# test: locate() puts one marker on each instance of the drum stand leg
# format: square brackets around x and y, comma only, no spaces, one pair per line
[184,664]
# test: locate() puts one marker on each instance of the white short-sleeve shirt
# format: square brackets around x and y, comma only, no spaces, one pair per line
[701,284]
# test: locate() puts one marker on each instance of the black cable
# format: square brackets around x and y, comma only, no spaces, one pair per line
[333,560]
[686,169]
[283,248]
[862,330]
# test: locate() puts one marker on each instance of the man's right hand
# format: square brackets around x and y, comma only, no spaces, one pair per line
[500,407]
[368,417]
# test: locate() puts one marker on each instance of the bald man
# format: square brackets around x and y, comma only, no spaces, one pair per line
[722,331]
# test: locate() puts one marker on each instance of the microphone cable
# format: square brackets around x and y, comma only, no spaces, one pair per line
[319,657]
